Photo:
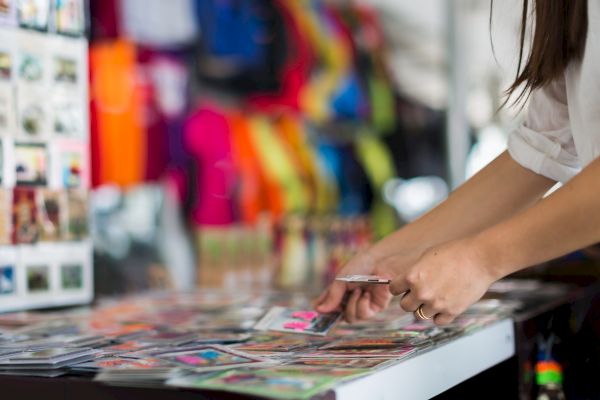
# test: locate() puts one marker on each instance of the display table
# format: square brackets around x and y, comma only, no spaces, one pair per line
[421,377]
[431,373]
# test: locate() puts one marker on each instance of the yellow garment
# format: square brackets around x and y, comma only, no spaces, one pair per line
[277,164]
[335,56]
[377,161]
[322,194]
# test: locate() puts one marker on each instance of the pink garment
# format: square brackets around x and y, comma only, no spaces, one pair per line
[206,136]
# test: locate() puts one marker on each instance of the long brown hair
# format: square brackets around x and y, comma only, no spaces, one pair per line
[559,34]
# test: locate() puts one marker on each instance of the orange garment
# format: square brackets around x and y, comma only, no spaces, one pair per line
[117,98]
[253,193]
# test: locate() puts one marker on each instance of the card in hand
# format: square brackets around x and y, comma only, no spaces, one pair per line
[367,279]
[282,319]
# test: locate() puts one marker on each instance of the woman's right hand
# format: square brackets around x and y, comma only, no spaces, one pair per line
[363,301]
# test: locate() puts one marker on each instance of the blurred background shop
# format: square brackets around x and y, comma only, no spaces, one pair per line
[255,143]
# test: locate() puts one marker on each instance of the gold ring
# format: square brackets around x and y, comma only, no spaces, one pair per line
[420,314]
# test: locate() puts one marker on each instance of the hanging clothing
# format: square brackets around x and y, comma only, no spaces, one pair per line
[207,138]
[159,23]
[117,111]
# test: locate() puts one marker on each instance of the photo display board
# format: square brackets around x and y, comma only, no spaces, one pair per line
[45,249]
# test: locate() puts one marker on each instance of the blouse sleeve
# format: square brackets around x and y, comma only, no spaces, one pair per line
[544,142]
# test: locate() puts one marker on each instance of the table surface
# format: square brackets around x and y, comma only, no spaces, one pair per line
[421,377]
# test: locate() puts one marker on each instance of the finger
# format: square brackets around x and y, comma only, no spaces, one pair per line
[333,298]
[365,310]
[316,302]
[444,319]
[350,314]
[399,286]
[410,302]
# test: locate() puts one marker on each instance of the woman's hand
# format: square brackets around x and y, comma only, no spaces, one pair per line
[445,281]
[363,301]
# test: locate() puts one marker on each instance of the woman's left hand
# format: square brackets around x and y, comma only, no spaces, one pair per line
[445,281]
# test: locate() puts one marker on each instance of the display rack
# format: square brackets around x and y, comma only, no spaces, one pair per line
[45,250]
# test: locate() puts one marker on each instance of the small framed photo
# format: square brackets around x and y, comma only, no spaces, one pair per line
[70,167]
[33,14]
[69,17]
[67,117]
[24,217]
[51,205]
[31,67]
[71,276]
[31,164]
[8,12]
[5,66]
[8,280]
[38,278]
[77,215]
[65,70]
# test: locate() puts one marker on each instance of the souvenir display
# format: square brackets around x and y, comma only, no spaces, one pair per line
[160,339]
[44,156]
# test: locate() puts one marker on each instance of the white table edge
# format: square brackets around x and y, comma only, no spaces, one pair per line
[428,374]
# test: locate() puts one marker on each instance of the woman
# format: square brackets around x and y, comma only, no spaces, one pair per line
[499,221]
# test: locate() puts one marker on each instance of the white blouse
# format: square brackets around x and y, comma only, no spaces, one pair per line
[561,133]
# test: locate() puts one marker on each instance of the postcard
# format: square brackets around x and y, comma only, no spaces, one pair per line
[31,164]
[283,319]
[24,216]
[212,358]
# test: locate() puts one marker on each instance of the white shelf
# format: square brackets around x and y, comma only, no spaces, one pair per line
[429,374]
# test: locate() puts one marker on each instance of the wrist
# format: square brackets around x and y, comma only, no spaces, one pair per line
[485,255]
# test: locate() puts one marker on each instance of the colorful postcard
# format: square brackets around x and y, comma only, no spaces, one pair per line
[263,383]
[31,67]
[33,14]
[67,117]
[8,280]
[24,217]
[282,319]
[32,113]
[70,17]
[8,12]
[31,164]
[51,205]
[65,70]
[77,215]
[38,278]
[212,358]
[71,157]
[5,66]
[71,276]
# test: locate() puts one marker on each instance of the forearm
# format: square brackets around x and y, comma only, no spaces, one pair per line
[500,190]
[565,221]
